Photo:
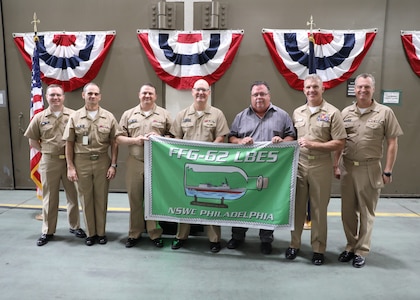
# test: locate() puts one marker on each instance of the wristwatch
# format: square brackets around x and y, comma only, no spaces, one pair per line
[387,174]
[114,165]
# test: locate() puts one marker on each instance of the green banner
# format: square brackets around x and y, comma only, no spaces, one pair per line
[220,183]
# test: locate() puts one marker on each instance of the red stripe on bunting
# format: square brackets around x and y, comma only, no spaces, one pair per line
[189,38]
[21,47]
[410,50]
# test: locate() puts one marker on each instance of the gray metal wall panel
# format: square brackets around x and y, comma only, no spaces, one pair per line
[126,66]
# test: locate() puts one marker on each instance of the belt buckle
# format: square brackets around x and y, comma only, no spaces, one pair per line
[94,156]
[356,163]
[61,156]
[311,157]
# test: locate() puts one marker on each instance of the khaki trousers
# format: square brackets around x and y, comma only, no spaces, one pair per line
[93,189]
[360,190]
[314,184]
[135,190]
[53,170]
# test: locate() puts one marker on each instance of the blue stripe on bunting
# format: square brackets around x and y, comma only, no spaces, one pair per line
[321,63]
[189,59]
[66,62]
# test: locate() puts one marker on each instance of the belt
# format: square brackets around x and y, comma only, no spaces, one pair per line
[361,163]
[59,156]
[92,156]
[313,157]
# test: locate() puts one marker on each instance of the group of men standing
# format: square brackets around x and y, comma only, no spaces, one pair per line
[355,136]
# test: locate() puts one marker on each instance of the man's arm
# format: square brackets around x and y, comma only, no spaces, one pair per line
[112,170]
[35,144]
[289,138]
[391,156]
[333,145]
[71,169]
[219,139]
[126,140]
[336,163]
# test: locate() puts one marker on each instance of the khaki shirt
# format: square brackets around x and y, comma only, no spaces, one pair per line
[324,125]
[366,132]
[188,125]
[99,131]
[134,122]
[48,129]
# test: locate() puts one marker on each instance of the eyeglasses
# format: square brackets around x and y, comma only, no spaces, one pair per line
[201,90]
[261,94]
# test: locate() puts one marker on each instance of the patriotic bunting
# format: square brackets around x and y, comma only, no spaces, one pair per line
[411,44]
[337,54]
[179,58]
[37,105]
[70,59]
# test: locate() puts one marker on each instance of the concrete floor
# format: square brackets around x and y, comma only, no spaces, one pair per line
[67,269]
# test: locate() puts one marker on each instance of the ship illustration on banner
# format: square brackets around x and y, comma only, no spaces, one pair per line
[219,182]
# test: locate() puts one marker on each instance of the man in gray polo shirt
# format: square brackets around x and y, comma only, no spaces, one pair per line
[261,121]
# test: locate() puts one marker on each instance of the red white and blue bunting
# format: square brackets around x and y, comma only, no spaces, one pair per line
[411,44]
[70,59]
[179,58]
[338,53]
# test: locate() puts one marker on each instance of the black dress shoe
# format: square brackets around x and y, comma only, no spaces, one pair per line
[90,240]
[102,240]
[318,259]
[158,242]
[215,247]
[359,261]
[131,242]
[43,239]
[78,232]
[266,248]
[234,243]
[291,253]
[346,256]
[177,243]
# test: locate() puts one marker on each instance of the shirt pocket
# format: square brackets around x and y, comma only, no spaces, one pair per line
[374,129]
[47,130]
[158,127]
[209,128]
[103,133]
[350,128]
[322,129]
[300,126]
[133,129]
[80,130]
[187,130]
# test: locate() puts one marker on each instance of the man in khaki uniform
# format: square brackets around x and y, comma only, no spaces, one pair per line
[137,124]
[45,132]
[200,122]
[368,124]
[320,131]
[90,132]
